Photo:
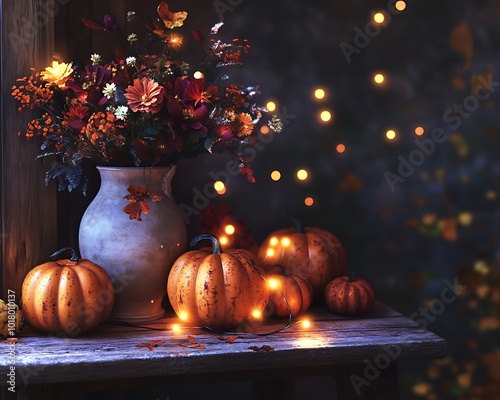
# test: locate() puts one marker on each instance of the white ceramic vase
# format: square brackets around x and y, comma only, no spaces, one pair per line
[137,255]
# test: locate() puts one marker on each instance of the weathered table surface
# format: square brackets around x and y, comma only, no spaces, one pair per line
[331,343]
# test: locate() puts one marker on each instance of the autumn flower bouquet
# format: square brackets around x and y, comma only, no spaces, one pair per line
[143,108]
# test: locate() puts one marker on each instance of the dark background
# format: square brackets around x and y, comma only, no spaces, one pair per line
[440,224]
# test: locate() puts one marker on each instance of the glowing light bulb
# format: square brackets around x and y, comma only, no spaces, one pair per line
[176,328]
[306,323]
[275,176]
[270,252]
[229,229]
[198,75]
[325,116]
[340,148]
[390,134]
[271,106]
[257,314]
[302,174]
[183,316]
[379,17]
[419,131]
[319,93]
[223,240]
[218,186]
[379,78]
[308,201]
[285,242]
[400,5]
[273,283]
[273,241]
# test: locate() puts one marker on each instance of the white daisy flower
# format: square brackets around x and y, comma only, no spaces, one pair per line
[121,112]
[95,58]
[132,38]
[109,90]
[131,61]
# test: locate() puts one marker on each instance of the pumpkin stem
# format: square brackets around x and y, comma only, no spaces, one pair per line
[206,236]
[350,276]
[74,256]
[298,225]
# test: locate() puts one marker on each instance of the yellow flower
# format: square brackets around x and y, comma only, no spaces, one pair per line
[58,74]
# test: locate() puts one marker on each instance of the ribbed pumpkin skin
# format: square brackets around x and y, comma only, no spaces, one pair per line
[349,298]
[316,255]
[216,290]
[298,293]
[67,297]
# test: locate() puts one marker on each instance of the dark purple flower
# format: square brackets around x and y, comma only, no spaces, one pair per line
[188,117]
[110,23]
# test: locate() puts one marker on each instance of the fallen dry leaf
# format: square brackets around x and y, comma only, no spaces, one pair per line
[198,346]
[12,340]
[150,345]
[229,339]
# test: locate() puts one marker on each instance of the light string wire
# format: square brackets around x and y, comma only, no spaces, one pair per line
[287,325]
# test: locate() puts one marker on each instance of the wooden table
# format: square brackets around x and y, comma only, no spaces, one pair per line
[360,353]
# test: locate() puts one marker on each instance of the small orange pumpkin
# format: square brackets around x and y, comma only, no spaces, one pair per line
[349,296]
[216,289]
[68,296]
[314,254]
[296,290]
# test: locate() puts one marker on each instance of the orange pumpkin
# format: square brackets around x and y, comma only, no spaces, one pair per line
[296,290]
[216,289]
[68,296]
[349,296]
[314,254]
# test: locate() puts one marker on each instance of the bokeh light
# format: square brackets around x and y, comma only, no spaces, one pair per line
[319,93]
[379,78]
[419,131]
[379,17]
[325,116]
[198,75]
[219,187]
[308,201]
[264,129]
[302,174]
[390,134]
[230,229]
[400,5]
[340,148]
[275,175]
[271,106]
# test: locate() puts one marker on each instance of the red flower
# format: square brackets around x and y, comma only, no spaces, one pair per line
[196,92]
[145,95]
[76,116]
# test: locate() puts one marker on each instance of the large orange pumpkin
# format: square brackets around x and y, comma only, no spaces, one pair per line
[216,289]
[68,296]
[349,296]
[296,290]
[312,253]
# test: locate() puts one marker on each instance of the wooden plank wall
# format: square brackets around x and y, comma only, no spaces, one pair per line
[28,207]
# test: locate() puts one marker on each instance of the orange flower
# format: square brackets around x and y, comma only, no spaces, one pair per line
[145,95]
[58,74]
[244,126]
